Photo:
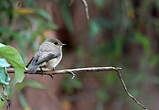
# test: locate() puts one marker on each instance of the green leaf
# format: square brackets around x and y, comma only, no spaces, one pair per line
[118,46]
[44,14]
[99,3]
[2,102]
[154,60]
[4,77]
[110,79]
[31,83]
[23,102]
[9,32]
[12,55]
[94,28]
[76,84]
[69,85]
[102,95]
[35,84]
[144,41]
[3,63]
[2,45]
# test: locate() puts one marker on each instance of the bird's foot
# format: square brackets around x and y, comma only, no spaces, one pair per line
[73,75]
[53,68]
[42,72]
[51,75]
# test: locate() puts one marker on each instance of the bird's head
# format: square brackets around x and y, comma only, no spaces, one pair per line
[56,42]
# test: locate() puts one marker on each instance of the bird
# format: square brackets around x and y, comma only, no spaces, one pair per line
[49,55]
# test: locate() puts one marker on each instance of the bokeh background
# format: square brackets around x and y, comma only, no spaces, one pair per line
[120,33]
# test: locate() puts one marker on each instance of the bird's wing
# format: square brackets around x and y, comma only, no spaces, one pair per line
[34,67]
[48,57]
[47,52]
[35,59]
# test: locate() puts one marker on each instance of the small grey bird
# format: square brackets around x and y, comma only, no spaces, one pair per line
[49,55]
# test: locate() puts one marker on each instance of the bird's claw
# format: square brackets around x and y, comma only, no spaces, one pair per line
[73,75]
[41,69]
[52,76]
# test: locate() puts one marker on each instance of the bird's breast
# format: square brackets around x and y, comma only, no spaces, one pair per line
[53,63]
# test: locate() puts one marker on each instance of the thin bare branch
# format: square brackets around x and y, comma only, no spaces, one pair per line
[128,93]
[86,8]
[89,69]
[65,71]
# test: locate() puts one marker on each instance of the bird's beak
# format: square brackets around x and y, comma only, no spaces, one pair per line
[64,44]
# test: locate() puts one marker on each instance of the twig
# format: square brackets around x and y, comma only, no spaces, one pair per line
[89,69]
[64,71]
[127,92]
[86,8]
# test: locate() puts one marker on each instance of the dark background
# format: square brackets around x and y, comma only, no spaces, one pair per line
[120,33]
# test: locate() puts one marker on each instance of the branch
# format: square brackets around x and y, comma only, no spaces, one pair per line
[86,8]
[128,93]
[89,69]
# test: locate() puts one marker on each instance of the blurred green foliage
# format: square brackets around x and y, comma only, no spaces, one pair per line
[12,56]
[4,77]
[21,26]
[102,95]
[70,85]
[121,33]
[27,26]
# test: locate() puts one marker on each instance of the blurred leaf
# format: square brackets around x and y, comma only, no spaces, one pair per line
[6,10]
[4,77]
[52,26]
[144,41]
[3,96]
[99,3]
[34,84]
[110,79]
[44,14]
[66,15]
[9,32]
[66,105]
[3,62]
[76,84]
[94,28]
[118,46]
[30,3]
[99,24]
[69,85]
[2,103]
[6,90]
[139,78]
[12,55]
[102,95]
[2,45]
[154,60]
[30,83]
[24,102]
[24,11]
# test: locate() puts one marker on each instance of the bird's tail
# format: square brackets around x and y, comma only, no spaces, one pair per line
[33,69]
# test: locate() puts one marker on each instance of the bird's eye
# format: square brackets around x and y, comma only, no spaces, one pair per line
[55,43]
